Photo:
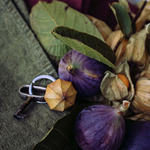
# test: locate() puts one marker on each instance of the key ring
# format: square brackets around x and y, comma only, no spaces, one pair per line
[30,96]
[39,78]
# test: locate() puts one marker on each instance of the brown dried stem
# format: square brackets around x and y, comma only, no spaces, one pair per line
[138,14]
[133,24]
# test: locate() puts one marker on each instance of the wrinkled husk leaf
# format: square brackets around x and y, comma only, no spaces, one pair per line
[60,95]
[102,27]
[139,117]
[114,38]
[141,101]
[135,50]
[120,52]
[147,42]
[144,17]
[113,88]
[146,73]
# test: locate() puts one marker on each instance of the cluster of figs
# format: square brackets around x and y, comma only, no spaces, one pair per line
[103,126]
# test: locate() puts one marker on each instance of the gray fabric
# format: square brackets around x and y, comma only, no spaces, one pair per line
[23,10]
[21,59]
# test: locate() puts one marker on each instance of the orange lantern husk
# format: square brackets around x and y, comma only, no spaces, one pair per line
[60,95]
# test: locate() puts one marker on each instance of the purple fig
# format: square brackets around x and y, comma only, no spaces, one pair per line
[84,72]
[99,127]
[137,136]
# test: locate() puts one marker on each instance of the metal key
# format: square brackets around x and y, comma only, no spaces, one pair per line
[19,114]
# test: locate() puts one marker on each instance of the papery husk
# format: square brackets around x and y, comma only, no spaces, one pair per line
[114,38]
[147,41]
[139,4]
[139,117]
[144,17]
[146,72]
[102,27]
[113,88]
[135,50]
[120,52]
[141,100]
[60,95]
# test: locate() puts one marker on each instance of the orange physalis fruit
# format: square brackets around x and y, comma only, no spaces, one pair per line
[124,79]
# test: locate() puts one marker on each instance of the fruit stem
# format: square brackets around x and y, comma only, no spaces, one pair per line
[70,68]
[124,106]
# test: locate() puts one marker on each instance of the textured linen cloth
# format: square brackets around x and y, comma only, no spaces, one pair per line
[21,60]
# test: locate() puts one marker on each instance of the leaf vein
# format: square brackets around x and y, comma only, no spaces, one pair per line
[62,134]
[48,13]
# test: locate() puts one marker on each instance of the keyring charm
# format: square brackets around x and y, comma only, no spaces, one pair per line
[37,79]
[30,96]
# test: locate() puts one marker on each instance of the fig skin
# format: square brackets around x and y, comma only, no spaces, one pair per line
[137,136]
[84,72]
[99,127]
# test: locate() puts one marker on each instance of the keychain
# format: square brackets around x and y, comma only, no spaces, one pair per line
[26,92]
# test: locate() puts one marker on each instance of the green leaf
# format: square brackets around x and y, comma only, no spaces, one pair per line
[46,16]
[125,4]
[122,17]
[86,44]
[61,136]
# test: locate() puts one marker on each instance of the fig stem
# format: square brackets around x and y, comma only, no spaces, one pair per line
[124,106]
[70,68]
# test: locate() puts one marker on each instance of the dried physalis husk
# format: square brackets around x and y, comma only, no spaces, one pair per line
[139,117]
[60,95]
[113,88]
[141,100]
[136,51]
[114,38]
[120,52]
[147,42]
[146,72]
[102,27]
[144,17]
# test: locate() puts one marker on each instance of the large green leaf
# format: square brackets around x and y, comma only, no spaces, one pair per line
[61,136]
[46,16]
[122,17]
[86,44]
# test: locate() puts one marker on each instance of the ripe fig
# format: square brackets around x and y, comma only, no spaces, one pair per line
[84,72]
[137,136]
[100,127]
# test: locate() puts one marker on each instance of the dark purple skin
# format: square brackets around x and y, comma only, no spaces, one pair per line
[137,136]
[99,127]
[85,75]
